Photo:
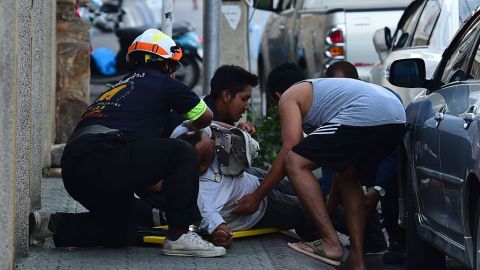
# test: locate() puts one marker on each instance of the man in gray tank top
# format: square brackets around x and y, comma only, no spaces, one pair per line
[352,126]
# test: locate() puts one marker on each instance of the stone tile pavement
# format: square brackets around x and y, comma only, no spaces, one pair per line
[264,252]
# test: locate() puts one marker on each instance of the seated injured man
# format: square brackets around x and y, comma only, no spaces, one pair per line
[225,156]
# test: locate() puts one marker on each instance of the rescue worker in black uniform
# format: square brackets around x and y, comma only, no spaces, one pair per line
[117,149]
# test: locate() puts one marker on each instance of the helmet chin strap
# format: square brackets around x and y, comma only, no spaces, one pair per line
[166,65]
[173,67]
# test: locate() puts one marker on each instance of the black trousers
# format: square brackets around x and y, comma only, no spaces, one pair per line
[390,208]
[284,209]
[103,171]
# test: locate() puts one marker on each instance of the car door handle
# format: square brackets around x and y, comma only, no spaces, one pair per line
[439,115]
[469,116]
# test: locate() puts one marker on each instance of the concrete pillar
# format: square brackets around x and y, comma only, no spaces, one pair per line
[234,33]
[212,38]
[49,67]
[23,130]
[8,87]
[167,19]
[73,69]
[42,69]
[26,34]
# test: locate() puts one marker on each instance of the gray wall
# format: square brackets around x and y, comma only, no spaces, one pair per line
[23,122]
[27,60]
[8,60]
[43,75]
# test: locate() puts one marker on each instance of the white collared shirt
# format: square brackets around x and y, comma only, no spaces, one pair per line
[217,195]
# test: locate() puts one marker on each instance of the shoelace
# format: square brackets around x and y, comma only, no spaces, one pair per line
[198,240]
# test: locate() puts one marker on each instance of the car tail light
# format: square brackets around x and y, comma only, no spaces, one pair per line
[335,36]
[335,51]
[335,45]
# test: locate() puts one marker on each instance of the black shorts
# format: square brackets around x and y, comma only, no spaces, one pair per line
[339,147]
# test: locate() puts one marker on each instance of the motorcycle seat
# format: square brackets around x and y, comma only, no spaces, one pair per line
[130,33]
[181,27]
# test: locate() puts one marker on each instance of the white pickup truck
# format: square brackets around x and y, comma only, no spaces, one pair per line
[315,33]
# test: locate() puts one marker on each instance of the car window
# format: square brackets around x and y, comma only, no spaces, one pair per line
[457,64]
[475,69]
[370,4]
[466,7]
[426,23]
[403,36]
[447,25]
[283,5]
[287,4]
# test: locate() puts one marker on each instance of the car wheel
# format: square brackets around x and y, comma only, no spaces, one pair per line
[476,255]
[420,255]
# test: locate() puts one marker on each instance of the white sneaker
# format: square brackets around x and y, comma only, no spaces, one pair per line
[38,228]
[191,244]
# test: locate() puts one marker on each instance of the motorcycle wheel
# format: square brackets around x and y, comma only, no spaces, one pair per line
[189,73]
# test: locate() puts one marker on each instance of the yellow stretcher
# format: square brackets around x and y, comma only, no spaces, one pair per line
[237,234]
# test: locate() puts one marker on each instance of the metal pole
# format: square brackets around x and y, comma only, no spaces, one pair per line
[167,12]
[211,37]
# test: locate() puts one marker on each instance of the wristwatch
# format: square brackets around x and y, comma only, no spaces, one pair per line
[380,190]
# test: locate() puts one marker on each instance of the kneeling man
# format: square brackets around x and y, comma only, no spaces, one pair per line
[223,181]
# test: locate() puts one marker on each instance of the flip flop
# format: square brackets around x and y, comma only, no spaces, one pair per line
[318,252]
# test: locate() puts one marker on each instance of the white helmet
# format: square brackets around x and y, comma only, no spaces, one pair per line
[156,42]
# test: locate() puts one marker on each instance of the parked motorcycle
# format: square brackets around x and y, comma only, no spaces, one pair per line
[108,67]
[183,34]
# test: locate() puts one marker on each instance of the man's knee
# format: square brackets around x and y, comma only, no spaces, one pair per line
[350,175]
[290,162]
[295,163]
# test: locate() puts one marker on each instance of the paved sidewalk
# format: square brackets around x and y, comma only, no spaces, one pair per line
[264,252]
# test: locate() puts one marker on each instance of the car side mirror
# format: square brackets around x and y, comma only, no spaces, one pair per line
[267,5]
[382,40]
[407,73]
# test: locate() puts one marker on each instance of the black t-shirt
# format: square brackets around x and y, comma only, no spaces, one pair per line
[139,104]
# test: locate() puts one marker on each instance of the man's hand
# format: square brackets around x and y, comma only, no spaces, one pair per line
[222,236]
[248,127]
[247,205]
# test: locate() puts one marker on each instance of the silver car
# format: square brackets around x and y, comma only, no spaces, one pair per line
[424,31]
[441,154]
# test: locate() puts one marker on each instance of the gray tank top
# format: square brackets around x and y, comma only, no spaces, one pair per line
[353,103]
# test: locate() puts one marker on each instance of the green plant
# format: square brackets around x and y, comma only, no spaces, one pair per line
[269,138]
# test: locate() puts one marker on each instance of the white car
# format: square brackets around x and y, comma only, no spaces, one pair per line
[316,33]
[424,31]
